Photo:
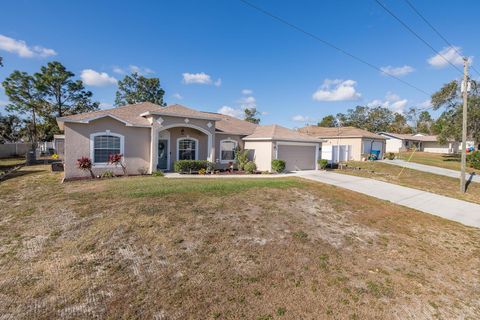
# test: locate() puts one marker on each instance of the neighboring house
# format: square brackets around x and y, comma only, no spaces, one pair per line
[427,143]
[59,144]
[349,142]
[152,138]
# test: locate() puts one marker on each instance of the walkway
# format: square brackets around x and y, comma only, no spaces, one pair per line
[449,208]
[432,169]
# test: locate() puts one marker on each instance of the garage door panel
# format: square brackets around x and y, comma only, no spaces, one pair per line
[297,157]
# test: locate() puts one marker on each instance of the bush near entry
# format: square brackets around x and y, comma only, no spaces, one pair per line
[250,167]
[278,165]
[322,164]
[189,166]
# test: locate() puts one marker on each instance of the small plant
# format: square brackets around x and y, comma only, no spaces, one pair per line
[84,163]
[116,159]
[322,164]
[241,156]
[390,156]
[107,174]
[278,165]
[202,171]
[281,311]
[300,235]
[158,174]
[250,167]
[189,166]
[473,159]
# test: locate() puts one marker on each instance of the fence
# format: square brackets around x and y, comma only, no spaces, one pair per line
[14,149]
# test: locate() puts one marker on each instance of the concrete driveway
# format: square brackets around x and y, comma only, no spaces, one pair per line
[431,169]
[464,212]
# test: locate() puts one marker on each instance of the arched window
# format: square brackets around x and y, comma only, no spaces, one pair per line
[103,144]
[227,150]
[187,149]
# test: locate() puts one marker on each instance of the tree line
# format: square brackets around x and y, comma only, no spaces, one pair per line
[36,100]
[417,120]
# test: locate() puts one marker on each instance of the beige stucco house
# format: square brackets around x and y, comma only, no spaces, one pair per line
[427,143]
[152,138]
[355,144]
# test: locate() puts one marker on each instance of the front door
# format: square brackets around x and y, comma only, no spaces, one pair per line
[162,154]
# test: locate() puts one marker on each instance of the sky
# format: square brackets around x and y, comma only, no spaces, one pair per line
[222,55]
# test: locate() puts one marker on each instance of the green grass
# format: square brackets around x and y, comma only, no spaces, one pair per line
[447,161]
[8,163]
[155,187]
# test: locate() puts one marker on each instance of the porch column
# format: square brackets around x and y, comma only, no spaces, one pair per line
[211,147]
[154,147]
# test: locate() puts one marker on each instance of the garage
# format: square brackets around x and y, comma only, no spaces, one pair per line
[297,157]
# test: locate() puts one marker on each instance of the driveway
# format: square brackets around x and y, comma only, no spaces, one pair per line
[464,212]
[431,169]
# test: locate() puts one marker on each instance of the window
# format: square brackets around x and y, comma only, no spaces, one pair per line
[187,149]
[227,150]
[105,145]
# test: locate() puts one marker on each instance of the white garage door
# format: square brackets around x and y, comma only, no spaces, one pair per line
[297,157]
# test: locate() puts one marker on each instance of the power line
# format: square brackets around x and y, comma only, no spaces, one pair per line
[311,35]
[437,32]
[416,34]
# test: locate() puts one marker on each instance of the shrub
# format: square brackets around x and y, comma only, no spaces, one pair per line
[278,165]
[189,166]
[242,158]
[158,174]
[202,171]
[116,159]
[107,174]
[84,163]
[250,167]
[473,159]
[322,163]
[390,156]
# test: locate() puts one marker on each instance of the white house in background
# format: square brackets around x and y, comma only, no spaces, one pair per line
[427,143]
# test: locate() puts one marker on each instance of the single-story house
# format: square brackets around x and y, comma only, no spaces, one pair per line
[152,137]
[349,142]
[427,143]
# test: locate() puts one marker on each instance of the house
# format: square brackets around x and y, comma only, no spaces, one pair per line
[401,142]
[152,138]
[346,143]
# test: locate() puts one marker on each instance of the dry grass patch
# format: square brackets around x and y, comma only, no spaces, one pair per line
[414,179]
[226,249]
[447,161]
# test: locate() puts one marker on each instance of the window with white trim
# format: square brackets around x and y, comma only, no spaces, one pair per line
[187,149]
[104,146]
[228,150]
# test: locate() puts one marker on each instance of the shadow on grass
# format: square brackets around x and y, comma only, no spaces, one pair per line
[20,173]
[469,180]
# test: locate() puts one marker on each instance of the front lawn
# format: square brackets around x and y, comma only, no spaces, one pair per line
[425,181]
[150,247]
[447,161]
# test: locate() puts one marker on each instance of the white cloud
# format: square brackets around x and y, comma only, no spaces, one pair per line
[391,101]
[229,111]
[397,71]
[300,118]
[448,53]
[21,48]
[97,79]
[177,96]
[425,104]
[133,69]
[248,102]
[337,90]
[200,78]
[247,92]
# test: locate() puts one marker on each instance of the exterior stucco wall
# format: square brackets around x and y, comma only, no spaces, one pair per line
[393,145]
[262,154]
[219,137]
[373,144]
[77,145]
[355,143]
[435,147]
[176,133]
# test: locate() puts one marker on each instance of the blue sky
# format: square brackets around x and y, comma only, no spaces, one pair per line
[221,55]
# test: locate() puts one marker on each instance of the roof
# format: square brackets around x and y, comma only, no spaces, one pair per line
[411,137]
[135,115]
[344,132]
[276,132]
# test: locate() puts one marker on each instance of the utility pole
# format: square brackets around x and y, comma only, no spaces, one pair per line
[464,88]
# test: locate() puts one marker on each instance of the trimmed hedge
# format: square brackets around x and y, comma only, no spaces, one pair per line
[189,166]
[278,165]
